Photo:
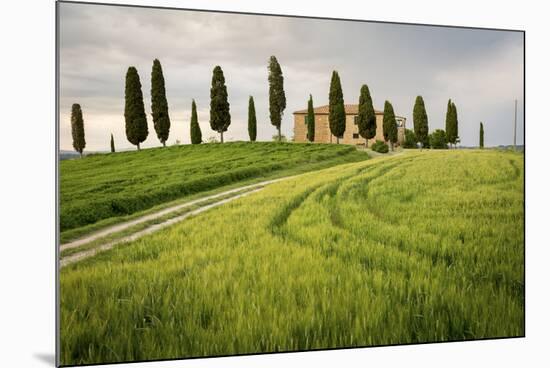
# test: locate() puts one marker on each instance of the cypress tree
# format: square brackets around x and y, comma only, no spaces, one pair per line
[134,110]
[112,144]
[220,117]
[251,119]
[196,134]
[481,135]
[277,99]
[454,125]
[366,117]
[310,120]
[159,105]
[449,123]
[77,129]
[336,109]
[420,121]
[389,124]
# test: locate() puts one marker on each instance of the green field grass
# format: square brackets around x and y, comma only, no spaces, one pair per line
[419,247]
[108,187]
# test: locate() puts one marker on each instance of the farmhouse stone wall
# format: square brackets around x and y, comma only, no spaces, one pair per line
[351,135]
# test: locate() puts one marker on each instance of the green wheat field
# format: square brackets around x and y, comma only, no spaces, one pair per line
[415,247]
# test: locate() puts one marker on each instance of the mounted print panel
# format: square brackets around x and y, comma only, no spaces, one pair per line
[235,183]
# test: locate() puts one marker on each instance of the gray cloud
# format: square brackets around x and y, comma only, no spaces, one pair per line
[481,70]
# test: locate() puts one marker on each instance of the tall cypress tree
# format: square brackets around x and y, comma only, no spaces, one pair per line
[251,119]
[220,117]
[277,99]
[389,124]
[420,121]
[77,129]
[449,123]
[112,144]
[196,134]
[159,105]
[366,117]
[134,110]
[310,120]
[481,135]
[454,125]
[336,109]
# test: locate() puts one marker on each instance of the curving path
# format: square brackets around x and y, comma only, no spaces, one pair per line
[252,188]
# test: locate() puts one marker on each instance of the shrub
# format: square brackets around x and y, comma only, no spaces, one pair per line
[410,139]
[380,147]
[438,139]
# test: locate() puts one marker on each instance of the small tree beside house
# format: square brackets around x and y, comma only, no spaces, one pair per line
[438,139]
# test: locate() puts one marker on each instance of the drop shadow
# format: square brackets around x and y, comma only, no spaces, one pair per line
[45,358]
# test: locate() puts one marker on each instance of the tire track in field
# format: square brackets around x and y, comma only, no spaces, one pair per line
[411,255]
[329,188]
[438,257]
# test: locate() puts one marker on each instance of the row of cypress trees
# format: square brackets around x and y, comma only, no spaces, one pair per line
[134,109]
[420,122]
[220,116]
[366,116]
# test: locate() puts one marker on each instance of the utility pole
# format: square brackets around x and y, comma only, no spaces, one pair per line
[515,121]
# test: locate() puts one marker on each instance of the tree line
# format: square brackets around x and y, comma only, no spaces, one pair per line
[135,118]
[366,120]
[136,127]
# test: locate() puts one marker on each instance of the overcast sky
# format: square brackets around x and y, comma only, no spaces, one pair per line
[480,70]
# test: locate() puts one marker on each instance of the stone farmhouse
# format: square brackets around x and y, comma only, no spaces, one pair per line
[351,135]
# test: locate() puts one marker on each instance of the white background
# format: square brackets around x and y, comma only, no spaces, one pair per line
[27,203]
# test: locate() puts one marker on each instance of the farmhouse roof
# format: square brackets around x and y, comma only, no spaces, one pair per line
[350,109]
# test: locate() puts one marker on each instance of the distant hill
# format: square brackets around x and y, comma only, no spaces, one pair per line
[509,147]
[66,155]
[520,148]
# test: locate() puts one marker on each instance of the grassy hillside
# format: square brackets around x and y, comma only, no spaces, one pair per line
[425,246]
[103,186]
